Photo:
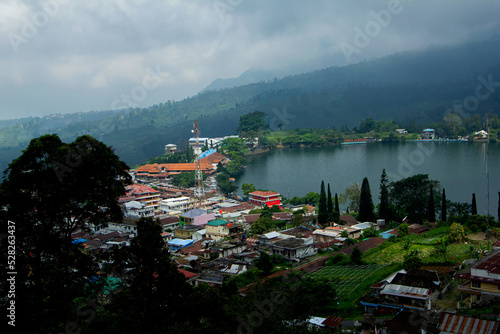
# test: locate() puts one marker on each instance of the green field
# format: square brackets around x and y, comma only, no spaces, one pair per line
[352,283]
[347,278]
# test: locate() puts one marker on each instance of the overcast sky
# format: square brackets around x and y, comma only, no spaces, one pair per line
[60,56]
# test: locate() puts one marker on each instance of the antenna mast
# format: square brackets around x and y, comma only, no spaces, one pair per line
[199,192]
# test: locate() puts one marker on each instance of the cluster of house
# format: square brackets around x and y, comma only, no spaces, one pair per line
[413,293]
[211,244]
[162,172]
[218,231]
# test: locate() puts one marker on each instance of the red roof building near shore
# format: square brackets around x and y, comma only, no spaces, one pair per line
[261,198]
[163,171]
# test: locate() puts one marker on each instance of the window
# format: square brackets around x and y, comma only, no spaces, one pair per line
[476,284]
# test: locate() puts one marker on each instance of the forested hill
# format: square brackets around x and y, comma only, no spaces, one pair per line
[420,85]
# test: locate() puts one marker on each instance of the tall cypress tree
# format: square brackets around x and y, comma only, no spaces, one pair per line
[322,209]
[474,205]
[432,210]
[337,209]
[384,210]
[444,209]
[366,203]
[329,203]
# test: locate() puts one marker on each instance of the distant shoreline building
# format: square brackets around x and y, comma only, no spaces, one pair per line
[428,134]
[156,172]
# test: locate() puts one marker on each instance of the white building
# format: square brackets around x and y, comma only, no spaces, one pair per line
[135,209]
[177,204]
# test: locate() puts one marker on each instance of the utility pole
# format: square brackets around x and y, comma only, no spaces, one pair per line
[487,177]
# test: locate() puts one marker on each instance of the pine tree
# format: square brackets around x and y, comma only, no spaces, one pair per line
[329,204]
[322,209]
[337,209]
[474,205]
[443,206]
[366,203]
[384,209]
[432,211]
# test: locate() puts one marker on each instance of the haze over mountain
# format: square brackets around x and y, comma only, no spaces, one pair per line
[59,57]
[419,85]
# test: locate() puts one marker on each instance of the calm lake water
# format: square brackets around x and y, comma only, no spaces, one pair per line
[459,166]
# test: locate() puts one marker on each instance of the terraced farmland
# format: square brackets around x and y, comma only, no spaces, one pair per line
[348,279]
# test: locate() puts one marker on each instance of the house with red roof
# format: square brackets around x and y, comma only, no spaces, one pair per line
[261,198]
[143,194]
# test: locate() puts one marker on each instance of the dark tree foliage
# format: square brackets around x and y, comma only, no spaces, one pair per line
[498,213]
[356,256]
[411,196]
[403,230]
[474,205]
[281,304]
[262,225]
[264,263]
[329,204]
[311,198]
[322,209]
[412,261]
[431,215]
[224,184]
[384,209]
[155,292]
[252,122]
[50,191]
[444,209]
[366,203]
[337,209]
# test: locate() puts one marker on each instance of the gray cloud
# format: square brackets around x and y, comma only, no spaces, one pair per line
[60,56]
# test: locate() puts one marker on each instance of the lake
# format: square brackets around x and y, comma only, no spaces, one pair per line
[459,166]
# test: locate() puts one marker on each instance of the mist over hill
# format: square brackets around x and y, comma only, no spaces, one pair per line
[421,85]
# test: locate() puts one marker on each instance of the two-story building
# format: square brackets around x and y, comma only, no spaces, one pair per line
[217,229]
[143,194]
[177,204]
[261,198]
[482,280]
[189,232]
[135,209]
[188,217]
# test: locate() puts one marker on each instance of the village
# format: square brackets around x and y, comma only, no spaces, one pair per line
[214,239]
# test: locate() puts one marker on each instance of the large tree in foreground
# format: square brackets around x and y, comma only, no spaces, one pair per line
[48,192]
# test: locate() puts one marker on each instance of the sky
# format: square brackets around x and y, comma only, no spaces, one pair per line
[67,56]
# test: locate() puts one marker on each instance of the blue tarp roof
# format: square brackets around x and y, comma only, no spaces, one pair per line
[79,241]
[207,153]
[180,242]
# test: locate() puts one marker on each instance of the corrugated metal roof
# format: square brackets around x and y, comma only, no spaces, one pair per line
[410,291]
[457,324]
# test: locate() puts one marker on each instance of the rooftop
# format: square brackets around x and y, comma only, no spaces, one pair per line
[264,193]
[217,222]
[289,243]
